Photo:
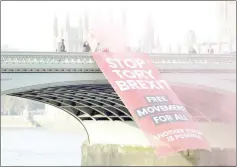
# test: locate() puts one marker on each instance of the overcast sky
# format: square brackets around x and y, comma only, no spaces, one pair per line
[28,25]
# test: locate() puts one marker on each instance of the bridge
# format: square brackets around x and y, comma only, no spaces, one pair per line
[73,83]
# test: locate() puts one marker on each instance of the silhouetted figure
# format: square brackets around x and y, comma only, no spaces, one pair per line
[86,47]
[210,50]
[61,46]
[97,49]
[192,51]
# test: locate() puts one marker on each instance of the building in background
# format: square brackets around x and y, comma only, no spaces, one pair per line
[86,26]
[124,19]
[73,36]
[148,42]
[226,38]
[226,13]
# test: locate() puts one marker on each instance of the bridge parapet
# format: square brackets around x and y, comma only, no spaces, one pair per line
[84,62]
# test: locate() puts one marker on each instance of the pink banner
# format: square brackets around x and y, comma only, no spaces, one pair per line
[152,103]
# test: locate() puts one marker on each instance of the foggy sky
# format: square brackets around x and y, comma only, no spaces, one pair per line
[29,25]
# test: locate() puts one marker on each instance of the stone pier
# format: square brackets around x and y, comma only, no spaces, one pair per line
[122,144]
[117,155]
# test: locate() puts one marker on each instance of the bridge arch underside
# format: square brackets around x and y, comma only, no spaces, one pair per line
[106,119]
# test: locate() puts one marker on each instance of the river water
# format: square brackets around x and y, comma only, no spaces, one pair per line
[35,147]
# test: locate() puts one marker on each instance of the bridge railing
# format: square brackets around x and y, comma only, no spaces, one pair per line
[84,62]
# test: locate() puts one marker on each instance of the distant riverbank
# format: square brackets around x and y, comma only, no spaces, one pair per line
[62,125]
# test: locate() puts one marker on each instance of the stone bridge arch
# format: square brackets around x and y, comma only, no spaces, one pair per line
[105,118]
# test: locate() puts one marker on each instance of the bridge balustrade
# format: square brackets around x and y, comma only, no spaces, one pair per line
[84,62]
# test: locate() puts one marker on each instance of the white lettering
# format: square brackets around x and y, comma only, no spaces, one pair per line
[140,74]
[152,85]
[135,74]
[168,133]
[156,99]
[149,73]
[151,99]
[129,74]
[111,63]
[130,63]
[163,118]
[187,135]
[180,117]
[151,109]
[122,85]
[142,84]
[140,62]
[121,63]
[141,112]
[133,84]
[118,73]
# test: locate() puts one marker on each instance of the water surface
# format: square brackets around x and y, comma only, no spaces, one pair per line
[40,147]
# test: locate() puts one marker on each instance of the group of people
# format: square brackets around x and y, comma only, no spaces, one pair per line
[210,50]
[86,47]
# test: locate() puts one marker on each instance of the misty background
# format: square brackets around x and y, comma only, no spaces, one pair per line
[151,26]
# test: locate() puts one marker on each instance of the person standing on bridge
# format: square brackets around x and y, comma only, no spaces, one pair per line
[61,46]
[86,47]
[192,50]
[97,49]
[210,50]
